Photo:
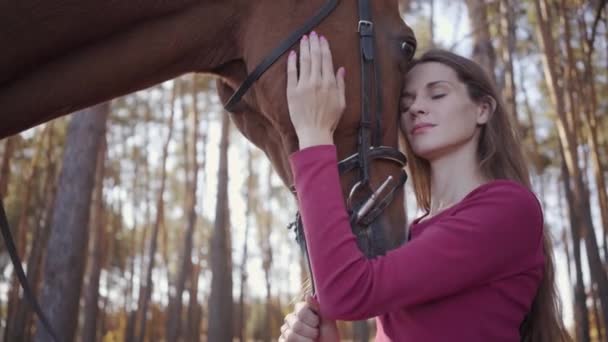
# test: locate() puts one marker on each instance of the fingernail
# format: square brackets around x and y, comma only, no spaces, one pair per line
[313,33]
[304,37]
[342,71]
[323,38]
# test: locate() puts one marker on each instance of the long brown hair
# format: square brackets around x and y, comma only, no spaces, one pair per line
[500,157]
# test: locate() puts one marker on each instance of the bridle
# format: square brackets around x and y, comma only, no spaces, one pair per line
[363,214]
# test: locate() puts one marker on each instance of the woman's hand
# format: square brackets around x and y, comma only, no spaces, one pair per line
[305,325]
[316,100]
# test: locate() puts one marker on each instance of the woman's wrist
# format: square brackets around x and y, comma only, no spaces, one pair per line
[314,138]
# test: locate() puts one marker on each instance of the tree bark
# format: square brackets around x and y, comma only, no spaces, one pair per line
[25,216]
[174,319]
[5,169]
[566,125]
[264,238]
[220,299]
[23,316]
[195,310]
[586,85]
[361,331]
[64,266]
[98,254]
[507,9]
[146,289]
[581,313]
[243,268]
[483,51]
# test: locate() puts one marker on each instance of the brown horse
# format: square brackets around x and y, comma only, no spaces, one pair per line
[62,56]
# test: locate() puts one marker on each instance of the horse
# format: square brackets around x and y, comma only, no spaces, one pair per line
[62,56]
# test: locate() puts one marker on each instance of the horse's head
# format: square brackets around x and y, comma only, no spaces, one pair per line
[262,115]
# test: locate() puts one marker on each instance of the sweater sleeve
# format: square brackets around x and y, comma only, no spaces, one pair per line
[493,234]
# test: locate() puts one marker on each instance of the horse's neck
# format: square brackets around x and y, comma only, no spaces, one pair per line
[145,52]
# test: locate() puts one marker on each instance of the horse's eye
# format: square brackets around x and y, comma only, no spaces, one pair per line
[408,49]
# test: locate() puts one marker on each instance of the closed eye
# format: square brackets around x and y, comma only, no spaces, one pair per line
[437,97]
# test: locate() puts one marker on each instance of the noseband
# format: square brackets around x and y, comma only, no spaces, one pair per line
[363,214]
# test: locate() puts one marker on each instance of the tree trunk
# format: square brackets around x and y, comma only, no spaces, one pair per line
[146,289]
[266,248]
[23,316]
[361,331]
[566,127]
[174,319]
[25,216]
[98,253]
[220,299]
[587,85]
[138,195]
[507,9]
[248,213]
[5,169]
[581,314]
[483,51]
[193,324]
[600,331]
[64,266]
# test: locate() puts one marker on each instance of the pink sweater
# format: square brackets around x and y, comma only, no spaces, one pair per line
[469,273]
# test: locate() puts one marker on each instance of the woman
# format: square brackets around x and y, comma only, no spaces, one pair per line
[477,267]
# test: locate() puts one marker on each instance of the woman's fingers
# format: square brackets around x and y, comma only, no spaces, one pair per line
[304,58]
[298,327]
[341,87]
[292,72]
[327,65]
[306,315]
[315,58]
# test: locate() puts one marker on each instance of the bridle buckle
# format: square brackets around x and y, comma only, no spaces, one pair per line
[365,27]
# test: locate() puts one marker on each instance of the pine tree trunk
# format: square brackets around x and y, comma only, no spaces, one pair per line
[483,51]
[99,249]
[23,316]
[600,331]
[5,169]
[243,268]
[361,331]
[136,197]
[66,254]
[146,287]
[174,319]
[264,236]
[566,125]
[587,86]
[507,8]
[25,216]
[220,299]
[581,313]
[193,324]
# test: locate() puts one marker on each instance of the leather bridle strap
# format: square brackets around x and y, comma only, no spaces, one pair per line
[279,51]
[27,289]
[366,36]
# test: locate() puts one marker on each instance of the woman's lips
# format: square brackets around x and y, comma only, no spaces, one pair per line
[421,128]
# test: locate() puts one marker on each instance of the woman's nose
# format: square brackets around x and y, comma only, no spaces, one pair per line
[417,109]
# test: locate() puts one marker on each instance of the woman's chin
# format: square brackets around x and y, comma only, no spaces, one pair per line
[425,152]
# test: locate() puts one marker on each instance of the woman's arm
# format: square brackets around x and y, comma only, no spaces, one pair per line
[495,233]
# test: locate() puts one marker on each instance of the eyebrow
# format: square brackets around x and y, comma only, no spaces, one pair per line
[428,86]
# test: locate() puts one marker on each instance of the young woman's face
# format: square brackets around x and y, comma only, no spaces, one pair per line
[437,114]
